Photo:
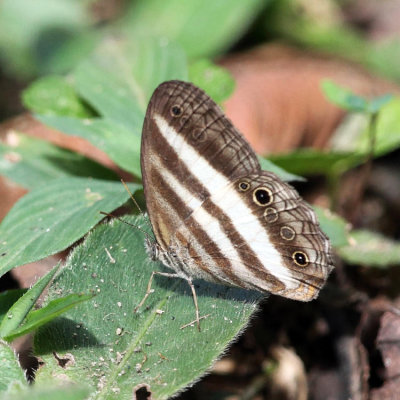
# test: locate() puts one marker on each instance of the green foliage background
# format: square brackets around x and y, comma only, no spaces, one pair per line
[94,82]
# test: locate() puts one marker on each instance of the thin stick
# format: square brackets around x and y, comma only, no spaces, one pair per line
[149,290]
[191,323]
[195,303]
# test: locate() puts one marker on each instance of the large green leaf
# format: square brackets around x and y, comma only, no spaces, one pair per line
[117,82]
[11,374]
[120,77]
[51,218]
[113,348]
[201,27]
[31,163]
[118,142]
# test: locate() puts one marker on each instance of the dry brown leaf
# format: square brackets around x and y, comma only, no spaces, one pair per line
[278,104]
[388,342]
[27,124]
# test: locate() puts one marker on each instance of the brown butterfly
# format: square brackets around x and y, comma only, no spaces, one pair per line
[215,214]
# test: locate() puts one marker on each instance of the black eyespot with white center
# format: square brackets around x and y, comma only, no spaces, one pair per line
[300,258]
[176,111]
[244,186]
[262,196]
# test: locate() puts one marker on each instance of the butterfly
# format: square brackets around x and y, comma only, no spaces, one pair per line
[215,214]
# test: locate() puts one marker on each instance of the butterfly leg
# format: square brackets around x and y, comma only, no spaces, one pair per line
[149,290]
[189,281]
[196,305]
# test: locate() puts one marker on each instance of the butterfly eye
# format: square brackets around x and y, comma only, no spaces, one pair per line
[262,196]
[300,258]
[176,111]
[243,186]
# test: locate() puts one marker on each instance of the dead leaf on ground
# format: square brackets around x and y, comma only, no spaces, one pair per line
[278,103]
[388,343]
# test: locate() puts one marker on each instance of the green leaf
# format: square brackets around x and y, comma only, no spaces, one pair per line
[377,103]
[387,130]
[370,249]
[32,163]
[215,80]
[347,100]
[11,376]
[325,35]
[119,143]
[30,32]
[51,218]
[312,162]
[8,298]
[202,27]
[54,95]
[37,318]
[49,392]
[267,165]
[335,227]
[120,77]
[17,313]
[115,348]
[117,82]
[343,97]
[350,145]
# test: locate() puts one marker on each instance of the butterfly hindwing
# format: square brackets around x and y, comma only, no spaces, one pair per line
[257,233]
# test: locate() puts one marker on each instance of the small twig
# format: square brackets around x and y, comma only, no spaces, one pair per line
[112,259]
[194,322]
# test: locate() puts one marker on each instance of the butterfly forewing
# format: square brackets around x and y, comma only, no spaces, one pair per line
[185,131]
[215,211]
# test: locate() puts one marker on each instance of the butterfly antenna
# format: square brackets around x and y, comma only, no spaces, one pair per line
[127,223]
[131,195]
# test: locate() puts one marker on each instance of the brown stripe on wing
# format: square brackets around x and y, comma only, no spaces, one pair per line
[294,213]
[155,148]
[179,208]
[172,162]
[247,256]
[204,126]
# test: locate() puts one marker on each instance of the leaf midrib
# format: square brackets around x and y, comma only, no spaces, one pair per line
[131,348]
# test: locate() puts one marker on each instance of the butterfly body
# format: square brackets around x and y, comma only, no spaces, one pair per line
[215,214]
